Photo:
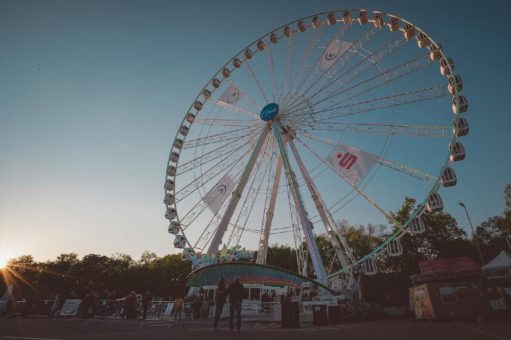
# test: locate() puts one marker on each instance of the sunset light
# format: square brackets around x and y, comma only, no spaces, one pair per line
[4,259]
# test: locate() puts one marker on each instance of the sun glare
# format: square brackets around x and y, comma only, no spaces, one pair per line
[3,261]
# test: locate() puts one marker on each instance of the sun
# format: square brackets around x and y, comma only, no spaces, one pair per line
[3,261]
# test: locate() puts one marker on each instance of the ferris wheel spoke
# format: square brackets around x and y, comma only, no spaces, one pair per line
[319,70]
[298,78]
[366,62]
[392,101]
[354,186]
[232,108]
[342,60]
[228,122]
[391,164]
[271,69]
[199,207]
[380,129]
[254,77]
[375,82]
[207,176]
[305,65]
[219,137]
[287,69]
[223,152]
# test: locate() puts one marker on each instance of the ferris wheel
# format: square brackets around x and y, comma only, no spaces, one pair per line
[336,116]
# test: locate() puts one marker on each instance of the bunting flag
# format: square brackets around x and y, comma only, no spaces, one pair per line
[216,197]
[350,163]
[335,49]
[231,96]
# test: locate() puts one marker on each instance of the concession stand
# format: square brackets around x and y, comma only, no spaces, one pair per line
[447,289]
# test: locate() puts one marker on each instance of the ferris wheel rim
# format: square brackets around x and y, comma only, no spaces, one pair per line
[378,250]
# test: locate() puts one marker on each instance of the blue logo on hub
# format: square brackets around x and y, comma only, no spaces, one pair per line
[269,112]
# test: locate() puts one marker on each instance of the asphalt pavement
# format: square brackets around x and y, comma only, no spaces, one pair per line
[45,329]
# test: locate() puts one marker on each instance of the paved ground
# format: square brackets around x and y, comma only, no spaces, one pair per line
[42,329]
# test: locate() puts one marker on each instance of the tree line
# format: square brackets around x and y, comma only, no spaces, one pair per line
[115,276]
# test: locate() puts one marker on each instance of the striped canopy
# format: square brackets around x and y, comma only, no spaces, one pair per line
[249,273]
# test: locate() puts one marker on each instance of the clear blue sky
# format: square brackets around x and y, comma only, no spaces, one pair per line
[92,92]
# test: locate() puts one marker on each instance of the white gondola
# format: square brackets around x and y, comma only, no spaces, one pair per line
[435,203]
[169,199]
[454,82]
[248,53]
[448,177]
[362,17]
[236,63]
[287,31]
[369,266]
[409,31]
[170,214]
[183,130]
[171,170]
[316,22]
[174,157]
[174,227]
[435,52]
[180,241]
[274,38]
[393,24]
[301,26]
[460,127]
[446,66]
[261,46]
[346,17]
[169,184]
[394,248]
[423,40]
[178,143]
[206,93]
[457,152]
[417,226]
[226,72]
[459,104]
[331,19]
[190,118]
[216,83]
[197,105]
[378,19]
[187,254]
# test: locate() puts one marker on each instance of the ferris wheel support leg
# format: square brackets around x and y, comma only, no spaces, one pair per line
[319,268]
[236,194]
[263,242]
[325,215]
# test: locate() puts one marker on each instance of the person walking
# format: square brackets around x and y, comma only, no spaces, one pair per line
[219,301]
[235,292]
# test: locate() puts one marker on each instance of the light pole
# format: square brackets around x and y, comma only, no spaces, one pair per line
[473,233]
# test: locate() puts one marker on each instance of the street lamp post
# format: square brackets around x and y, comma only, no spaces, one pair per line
[473,233]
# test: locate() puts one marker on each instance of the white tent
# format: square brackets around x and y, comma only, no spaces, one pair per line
[501,261]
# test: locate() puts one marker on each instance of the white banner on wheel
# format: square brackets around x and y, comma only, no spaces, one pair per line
[231,96]
[335,49]
[350,163]
[219,193]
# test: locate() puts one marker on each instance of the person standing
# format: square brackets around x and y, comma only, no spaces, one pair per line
[235,292]
[131,305]
[145,304]
[219,301]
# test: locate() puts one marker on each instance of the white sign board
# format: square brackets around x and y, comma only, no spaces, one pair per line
[70,307]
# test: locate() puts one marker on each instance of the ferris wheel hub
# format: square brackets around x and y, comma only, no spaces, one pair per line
[269,112]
